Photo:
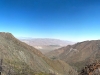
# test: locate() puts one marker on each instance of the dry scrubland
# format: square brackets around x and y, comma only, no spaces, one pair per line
[22,59]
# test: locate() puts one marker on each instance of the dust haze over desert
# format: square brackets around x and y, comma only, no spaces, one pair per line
[49,37]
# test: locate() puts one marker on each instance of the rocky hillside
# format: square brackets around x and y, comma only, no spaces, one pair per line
[21,59]
[79,54]
[91,69]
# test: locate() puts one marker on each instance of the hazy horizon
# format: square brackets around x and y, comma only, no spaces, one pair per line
[56,39]
[71,20]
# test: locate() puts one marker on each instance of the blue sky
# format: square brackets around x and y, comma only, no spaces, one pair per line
[73,20]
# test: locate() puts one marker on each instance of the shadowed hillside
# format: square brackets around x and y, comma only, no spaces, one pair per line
[22,59]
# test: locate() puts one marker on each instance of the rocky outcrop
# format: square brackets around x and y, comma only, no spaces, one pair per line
[91,69]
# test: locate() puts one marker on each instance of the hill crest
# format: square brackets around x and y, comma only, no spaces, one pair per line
[79,54]
[17,55]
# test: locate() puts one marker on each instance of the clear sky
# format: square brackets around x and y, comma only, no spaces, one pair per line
[73,20]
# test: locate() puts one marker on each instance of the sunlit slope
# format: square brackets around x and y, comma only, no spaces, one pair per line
[78,54]
[16,54]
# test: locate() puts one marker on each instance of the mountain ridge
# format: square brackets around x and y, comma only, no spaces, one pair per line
[79,54]
[46,41]
[15,53]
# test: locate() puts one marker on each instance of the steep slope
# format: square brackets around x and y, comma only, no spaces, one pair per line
[22,58]
[91,69]
[78,54]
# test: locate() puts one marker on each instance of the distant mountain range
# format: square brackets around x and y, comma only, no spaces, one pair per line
[21,59]
[45,41]
[46,45]
[79,54]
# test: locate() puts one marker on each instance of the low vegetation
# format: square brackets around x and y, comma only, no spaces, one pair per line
[22,59]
